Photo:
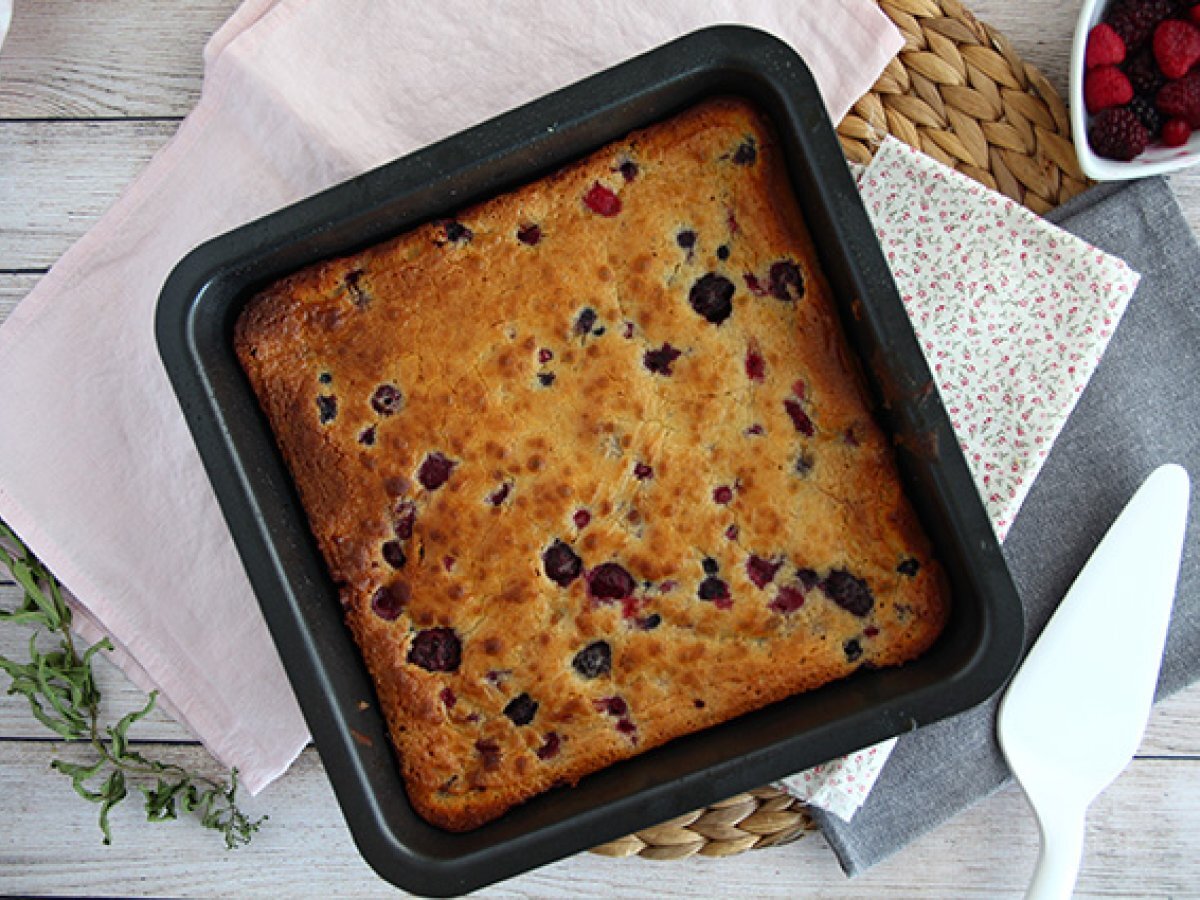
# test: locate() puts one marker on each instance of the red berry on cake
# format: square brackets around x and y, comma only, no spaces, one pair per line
[602,201]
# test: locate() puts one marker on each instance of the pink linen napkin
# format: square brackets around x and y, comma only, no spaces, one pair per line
[299,94]
[1013,314]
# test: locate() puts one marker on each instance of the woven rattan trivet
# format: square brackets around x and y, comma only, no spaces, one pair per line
[959,92]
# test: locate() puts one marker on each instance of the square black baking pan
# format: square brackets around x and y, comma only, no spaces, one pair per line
[201,301]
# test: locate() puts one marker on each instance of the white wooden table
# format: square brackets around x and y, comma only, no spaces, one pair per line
[88,92]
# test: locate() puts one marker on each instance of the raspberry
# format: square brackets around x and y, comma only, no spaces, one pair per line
[756,366]
[762,571]
[1104,87]
[1134,21]
[1148,114]
[1181,99]
[1118,134]
[1194,12]
[1104,47]
[389,601]
[602,201]
[610,581]
[1176,133]
[788,600]
[799,417]
[1176,47]
[551,747]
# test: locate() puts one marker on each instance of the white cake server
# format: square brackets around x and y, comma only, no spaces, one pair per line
[1074,714]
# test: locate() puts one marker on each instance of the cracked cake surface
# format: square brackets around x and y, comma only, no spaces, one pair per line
[592,465]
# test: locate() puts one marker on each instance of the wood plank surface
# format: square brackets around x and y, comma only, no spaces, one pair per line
[305,849]
[66,59]
[58,177]
[88,93]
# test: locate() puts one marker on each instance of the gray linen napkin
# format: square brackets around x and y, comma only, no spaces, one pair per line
[1141,409]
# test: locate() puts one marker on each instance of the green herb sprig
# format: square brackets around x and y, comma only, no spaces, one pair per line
[62,694]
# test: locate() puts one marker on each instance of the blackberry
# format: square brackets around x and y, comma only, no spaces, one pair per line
[436,650]
[1148,113]
[712,297]
[848,592]
[1142,70]
[713,589]
[521,709]
[435,471]
[1117,133]
[1135,20]
[562,564]
[659,361]
[326,408]
[593,660]
[746,153]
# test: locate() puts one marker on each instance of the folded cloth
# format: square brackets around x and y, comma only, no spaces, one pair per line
[1141,409]
[108,489]
[1013,313]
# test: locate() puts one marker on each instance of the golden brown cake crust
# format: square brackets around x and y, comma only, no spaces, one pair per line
[592,466]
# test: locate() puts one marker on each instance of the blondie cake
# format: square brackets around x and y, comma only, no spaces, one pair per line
[592,465]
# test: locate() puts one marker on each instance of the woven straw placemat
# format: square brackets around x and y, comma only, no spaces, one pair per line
[960,93]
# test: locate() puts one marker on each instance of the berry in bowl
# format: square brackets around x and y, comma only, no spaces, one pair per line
[1135,87]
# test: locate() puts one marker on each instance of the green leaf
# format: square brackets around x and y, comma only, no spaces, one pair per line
[119,732]
[60,688]
[113,793]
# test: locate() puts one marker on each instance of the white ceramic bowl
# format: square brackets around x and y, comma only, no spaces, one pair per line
[1154,160]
